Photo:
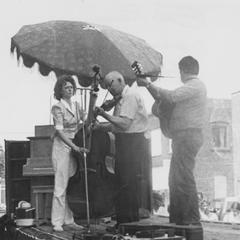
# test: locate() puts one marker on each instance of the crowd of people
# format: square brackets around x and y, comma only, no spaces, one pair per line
[233,213]
[207,213]
[210,213]
[207,210]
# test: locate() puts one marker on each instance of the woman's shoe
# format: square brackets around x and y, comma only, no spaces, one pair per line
[74,226]
[58,228]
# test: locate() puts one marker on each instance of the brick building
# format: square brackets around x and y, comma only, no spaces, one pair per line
[217,168]
[236,140]
[214,165]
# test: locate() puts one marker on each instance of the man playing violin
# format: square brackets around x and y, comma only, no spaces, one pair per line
[185,130]
[129,123]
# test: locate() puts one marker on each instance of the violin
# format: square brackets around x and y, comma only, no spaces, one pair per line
[109,104]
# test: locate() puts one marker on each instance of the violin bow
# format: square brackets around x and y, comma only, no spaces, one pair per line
[105,97]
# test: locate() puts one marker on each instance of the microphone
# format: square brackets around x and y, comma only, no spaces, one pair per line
[97,77]
[96,69]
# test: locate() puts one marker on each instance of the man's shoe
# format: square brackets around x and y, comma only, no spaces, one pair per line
[189,224]
[74,226]
[112,229]
[58,228]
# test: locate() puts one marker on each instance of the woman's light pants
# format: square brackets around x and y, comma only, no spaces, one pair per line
[64,167]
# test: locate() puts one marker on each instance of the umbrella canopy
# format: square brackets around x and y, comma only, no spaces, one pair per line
[68,47]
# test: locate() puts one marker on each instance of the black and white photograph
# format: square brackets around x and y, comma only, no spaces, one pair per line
[120,120]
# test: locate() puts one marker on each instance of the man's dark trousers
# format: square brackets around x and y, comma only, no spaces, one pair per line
[184,207]
[133,158]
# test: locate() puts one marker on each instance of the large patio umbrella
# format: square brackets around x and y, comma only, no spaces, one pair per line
[69,47]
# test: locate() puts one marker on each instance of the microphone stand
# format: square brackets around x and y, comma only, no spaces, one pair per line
[83,90]
[86,178]
[95,88]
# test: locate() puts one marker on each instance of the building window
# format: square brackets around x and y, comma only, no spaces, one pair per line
[220,187]
[219,135]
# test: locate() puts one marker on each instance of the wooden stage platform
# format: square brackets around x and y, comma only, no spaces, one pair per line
[211,231]
[97,231]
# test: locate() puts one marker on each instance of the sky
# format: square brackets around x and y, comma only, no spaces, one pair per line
[207,30]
